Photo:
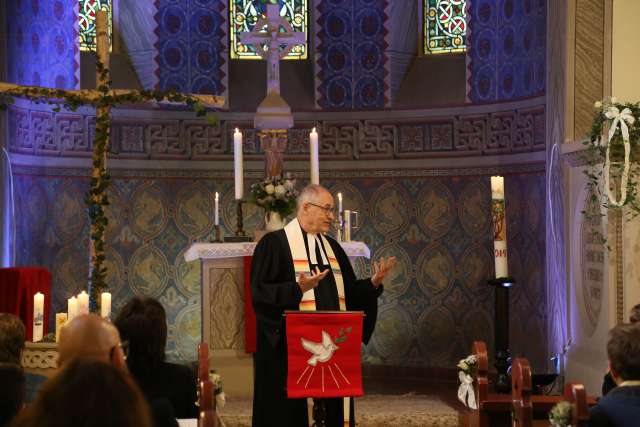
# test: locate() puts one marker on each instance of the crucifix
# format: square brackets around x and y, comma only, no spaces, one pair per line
[267,43]
[103,98]
[273,117]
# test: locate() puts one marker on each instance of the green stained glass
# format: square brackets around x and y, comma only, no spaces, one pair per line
[245,13]
[87,19]
[445,26]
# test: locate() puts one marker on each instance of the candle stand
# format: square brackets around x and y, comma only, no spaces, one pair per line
[240,235]
[501,332]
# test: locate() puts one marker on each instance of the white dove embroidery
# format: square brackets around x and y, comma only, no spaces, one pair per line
[322,352]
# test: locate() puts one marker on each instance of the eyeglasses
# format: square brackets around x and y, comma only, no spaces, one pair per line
[328,210]
[124,346]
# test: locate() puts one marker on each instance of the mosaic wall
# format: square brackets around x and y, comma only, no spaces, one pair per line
[351,58]
[507,53]
[42,41]
[192,46]
[436,302]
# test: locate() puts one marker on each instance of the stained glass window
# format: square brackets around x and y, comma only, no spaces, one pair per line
[445,26]
[88,9]
[245,14]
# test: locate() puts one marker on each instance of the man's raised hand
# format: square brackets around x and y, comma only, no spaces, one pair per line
[309,282]
[381,268]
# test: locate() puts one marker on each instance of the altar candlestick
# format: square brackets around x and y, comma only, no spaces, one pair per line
[72,308]
[38,316]
[61,319]
[216,213]
[499,226]
[339,203]
[237,163]
[105,305]
[313,150]
[83,303]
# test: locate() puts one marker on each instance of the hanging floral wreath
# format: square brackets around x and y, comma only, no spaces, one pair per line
[612,163]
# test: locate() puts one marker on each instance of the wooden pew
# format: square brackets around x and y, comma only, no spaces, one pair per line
[576,394]
[494,410]
[206,401]
[522,415]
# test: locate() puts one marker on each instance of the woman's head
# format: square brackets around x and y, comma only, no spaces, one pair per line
[143,323]
[87,393]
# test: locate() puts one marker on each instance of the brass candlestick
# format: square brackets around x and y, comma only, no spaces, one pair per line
[240,235]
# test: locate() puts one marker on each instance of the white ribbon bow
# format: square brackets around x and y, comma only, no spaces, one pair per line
[466,395]
[622,118]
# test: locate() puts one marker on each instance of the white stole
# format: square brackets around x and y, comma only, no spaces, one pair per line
[295,238]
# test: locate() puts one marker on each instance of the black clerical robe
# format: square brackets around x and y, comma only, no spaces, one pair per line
[274,290]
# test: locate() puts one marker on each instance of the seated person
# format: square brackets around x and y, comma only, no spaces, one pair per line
[12,338]
[608,383]
[621,407]
[87,393]
[143,323]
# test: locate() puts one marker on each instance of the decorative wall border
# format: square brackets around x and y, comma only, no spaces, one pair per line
[36,130]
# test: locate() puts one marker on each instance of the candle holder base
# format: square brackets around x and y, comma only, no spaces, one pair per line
[217,235]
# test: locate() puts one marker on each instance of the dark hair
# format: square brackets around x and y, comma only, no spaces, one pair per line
[87,393]
[623,349]
[143,323]
[12,391]
[634,316]
[11,338]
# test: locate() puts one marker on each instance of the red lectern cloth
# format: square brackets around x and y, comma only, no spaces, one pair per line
[324,354]
[18,285]
[249,314]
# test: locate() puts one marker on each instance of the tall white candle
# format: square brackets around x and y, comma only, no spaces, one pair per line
[339,203]
[105,305]
[38,316]
[83,303]
[313,151]
[499,226]
[237,163]
[72,308]
[216,213]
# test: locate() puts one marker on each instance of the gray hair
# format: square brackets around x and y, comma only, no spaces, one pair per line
[634,316]
[12,336]
[309,193]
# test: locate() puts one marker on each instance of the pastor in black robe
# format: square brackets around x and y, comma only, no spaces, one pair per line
[274,290]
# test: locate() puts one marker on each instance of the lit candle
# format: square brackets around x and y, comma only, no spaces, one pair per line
[313,150]
[216,214]
[61,319]
[237,163]
[38,316]
[72,308]
[339,203]
[499,226]
[105,305]
[83,303]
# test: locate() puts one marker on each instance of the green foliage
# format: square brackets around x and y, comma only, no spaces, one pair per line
[595,154]
[102,100]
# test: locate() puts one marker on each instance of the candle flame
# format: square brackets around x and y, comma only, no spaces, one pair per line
[314,130]
[237,131]
[217,196]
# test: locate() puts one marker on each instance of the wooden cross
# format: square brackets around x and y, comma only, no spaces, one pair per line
[268,43]
[103,98]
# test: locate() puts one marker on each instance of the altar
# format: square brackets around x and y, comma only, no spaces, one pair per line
[226,306]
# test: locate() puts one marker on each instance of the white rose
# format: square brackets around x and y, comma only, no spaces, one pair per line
[598,104]
[280,190]
[614,99]
[269,188]
[288,184]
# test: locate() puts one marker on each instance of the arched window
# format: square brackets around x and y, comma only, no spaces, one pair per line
[87,20]
[245,13]
[444,26]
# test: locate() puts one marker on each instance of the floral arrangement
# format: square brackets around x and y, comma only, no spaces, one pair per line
[466,395]
[218,393]
[612,171]
[560,414]
[276,194]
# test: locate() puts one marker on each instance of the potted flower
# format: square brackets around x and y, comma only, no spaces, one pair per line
[277,196]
